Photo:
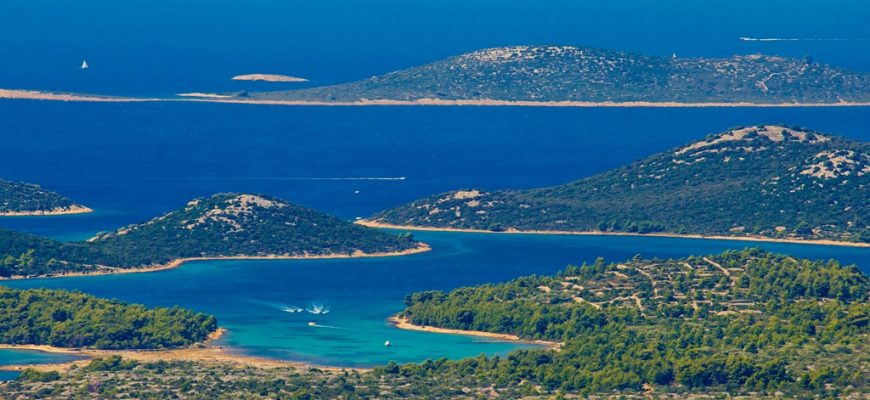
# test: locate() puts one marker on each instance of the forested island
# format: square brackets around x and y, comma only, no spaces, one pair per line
[19,198]
[74,320]
[752,182]
[741,323]
[225,225]
[541,74]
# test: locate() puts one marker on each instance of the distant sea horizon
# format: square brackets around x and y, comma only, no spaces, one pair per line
[139,48]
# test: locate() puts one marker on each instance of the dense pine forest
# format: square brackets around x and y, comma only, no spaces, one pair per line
[738,322]
[71,319]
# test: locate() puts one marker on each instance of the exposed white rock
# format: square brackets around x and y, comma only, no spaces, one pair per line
[831,164]
[774,133]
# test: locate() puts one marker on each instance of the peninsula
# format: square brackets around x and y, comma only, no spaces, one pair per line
[42,317]
[759,182]
[20,199]
[223,226]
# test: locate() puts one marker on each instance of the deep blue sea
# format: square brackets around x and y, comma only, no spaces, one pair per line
[132,162]
[160,47]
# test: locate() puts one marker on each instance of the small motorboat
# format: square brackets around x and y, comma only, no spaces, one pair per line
[387,344]
[312,323]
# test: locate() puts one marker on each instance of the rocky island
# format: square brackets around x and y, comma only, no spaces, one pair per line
[268,78]
[224,226]
[769,181]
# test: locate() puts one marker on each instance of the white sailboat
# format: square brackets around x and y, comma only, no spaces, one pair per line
[84,64]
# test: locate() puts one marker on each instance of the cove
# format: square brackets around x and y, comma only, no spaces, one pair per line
[253,299]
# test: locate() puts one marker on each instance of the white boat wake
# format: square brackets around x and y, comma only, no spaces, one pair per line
[289,308]
[289,178]
[776,39]
[325,326]
[317,309]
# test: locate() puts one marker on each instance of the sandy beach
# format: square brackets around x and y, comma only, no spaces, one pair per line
[403,323]
[205,352]
[375,224]
[422,248]
[17,94]
[73,209]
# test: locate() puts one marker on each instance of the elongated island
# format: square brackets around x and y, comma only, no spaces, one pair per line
[562,76]
[765,182]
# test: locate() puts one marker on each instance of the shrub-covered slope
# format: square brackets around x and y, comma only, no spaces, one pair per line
[566,73]
[770,181]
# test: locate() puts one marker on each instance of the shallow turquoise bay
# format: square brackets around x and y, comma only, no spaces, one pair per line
[250,298]
[29,357]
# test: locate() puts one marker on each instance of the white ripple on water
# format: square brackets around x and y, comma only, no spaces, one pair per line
[284,178]
[777,39]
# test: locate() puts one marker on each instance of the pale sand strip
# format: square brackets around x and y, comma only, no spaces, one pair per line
[375,224]
[203,353]
[521,103]
[269,78]
[16,94]
[73,209]
[422,248]
[41,95]
[403,323]
[202,95]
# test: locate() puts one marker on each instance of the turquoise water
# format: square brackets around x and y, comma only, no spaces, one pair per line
[29,357]
[249,297]
[132,162]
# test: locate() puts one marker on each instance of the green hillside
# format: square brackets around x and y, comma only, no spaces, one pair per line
[769,181]
[224,225]
[27,198]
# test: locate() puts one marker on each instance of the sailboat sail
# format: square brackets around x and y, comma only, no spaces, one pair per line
[84,64]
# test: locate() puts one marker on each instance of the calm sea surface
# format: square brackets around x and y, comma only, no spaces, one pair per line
[132,162]
[160,47]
